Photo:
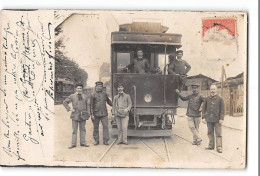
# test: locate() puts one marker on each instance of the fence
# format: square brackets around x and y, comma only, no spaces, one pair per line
[233,99]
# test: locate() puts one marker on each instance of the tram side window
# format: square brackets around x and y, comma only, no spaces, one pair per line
[123,60]
[162,65]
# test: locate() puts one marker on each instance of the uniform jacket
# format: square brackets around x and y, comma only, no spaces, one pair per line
[98,102]
[79,106]
[213,109]
[121,102]
[195,101]
[179,67]
[141,65]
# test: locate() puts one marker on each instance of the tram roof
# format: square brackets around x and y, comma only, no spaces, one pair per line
[146,38]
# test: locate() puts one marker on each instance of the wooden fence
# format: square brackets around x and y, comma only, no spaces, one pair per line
[233,99]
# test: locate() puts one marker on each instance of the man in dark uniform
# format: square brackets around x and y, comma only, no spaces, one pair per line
[180,67]
[193,112]
[80,112]
[213,114]
[141,64]
[98,112]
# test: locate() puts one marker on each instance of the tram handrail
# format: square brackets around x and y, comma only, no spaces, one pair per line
[134,87]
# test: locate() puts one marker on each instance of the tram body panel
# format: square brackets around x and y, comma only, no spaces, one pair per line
[151,90]
[154,100]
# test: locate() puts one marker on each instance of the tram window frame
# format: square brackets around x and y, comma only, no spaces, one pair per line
[161,57]
[125,58]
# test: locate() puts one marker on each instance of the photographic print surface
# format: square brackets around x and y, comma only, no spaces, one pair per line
[92,88]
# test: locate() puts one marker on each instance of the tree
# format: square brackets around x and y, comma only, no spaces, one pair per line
[64,66]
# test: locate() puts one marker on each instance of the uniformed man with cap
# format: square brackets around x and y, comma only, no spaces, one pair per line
[80,112]
[180,67]
[213,113]
[99,113]
[121,106]
[193,112]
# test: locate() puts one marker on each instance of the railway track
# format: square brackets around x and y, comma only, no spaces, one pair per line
[156,154]
[146,145]
[212,152]
[231,128]
[110,146]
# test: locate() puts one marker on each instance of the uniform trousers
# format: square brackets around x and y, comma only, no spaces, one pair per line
[82,130]
[214,127]
[122,124]
[194,123]
[104,121]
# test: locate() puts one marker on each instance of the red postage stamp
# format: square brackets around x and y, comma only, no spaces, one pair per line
[219,29]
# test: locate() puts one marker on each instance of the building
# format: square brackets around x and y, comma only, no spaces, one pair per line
[203,81]
[232,90]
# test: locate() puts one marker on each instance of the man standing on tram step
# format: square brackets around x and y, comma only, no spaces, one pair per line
[141,64]
[213,114]
[99,113]
[181,67]
[193,112]
[121,106]
[80,112]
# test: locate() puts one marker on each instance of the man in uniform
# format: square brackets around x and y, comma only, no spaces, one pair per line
[193,112]
[80,112]
[121,106]
[213,114]
[141,64]
[180,67]
[98,112]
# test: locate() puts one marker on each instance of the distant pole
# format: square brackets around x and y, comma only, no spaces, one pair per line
[99,69]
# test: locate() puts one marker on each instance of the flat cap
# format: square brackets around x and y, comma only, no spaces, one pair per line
[139,49]
[79,84]
[99,83]
[120,84]
[195,85]
[179,51]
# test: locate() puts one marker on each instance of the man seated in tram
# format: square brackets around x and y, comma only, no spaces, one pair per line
[141,64]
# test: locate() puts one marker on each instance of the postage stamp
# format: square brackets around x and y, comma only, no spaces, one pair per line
[219,29]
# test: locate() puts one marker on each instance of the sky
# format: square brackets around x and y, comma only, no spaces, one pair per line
[87,37]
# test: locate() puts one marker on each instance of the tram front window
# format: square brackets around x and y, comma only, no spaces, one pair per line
[123,60]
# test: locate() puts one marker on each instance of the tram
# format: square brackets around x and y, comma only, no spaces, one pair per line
[153,96]
[63,88]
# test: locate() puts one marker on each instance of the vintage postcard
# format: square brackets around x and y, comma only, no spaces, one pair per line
[103,88]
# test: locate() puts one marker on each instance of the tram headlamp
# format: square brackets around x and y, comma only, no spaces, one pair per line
[148,98]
